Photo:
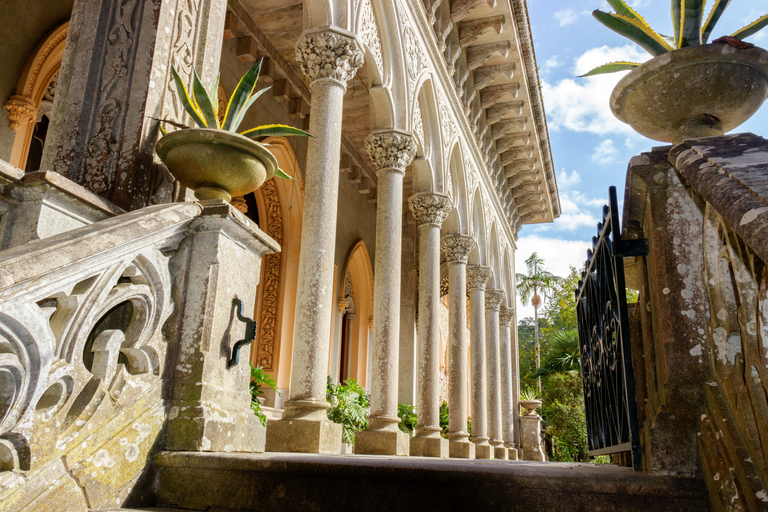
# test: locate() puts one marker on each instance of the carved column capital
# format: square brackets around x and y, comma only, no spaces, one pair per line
[342,305]
[457,247]
[392,150]
[494,298]
[506,316]
[429,208]
[329,54]
[477,277]
[20,110]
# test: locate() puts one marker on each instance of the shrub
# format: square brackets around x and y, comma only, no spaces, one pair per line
[258,379]
[408,419]
[350,406]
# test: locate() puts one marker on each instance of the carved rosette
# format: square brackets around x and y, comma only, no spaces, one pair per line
[477,277]
[21,110]
[391,150]
[506,316]
[494,298]
[429,208]
[329,54]
[457,247]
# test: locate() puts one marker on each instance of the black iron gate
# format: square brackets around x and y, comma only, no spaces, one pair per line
[606,360]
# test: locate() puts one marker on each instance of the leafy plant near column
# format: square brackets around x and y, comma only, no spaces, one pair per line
[408,418]
[563,356]
[350,406]
[260,378]
[688,22]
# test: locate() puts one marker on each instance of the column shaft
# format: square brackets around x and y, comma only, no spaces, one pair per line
[407,368]
[493,300]
[508,413]
[476,279]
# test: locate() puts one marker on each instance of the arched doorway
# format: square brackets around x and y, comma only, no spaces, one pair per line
[30,108]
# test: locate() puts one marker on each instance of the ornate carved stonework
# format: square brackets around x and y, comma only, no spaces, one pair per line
[457,247]
[444,287]
[429,208]
[329,54]
[369,33]
[418,124]
[477,277]
[506,316]
[494,298]
[21,110]
[270,296]
[449,130]
[391,150]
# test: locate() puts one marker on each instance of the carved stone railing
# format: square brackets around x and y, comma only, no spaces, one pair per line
[701,325]
[114,342]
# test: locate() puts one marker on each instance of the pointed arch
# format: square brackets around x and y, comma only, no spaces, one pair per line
[478,256]
[427,167]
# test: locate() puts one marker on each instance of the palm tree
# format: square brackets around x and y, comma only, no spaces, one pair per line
[534,287]
[563,355]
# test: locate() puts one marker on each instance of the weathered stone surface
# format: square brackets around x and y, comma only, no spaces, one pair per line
[530,434]
[307,436]
[461,448]
[429,446]
[382,442]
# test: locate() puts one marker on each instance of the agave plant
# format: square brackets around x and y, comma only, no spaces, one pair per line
[690,28]
[203,107]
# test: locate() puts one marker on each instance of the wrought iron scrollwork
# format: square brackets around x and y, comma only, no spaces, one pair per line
[606,359]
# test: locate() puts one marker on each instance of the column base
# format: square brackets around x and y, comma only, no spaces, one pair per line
[512,453]
[461,449]
[382,442]
[429,447]
[203,429]
[304,436]
[500,453]
[482,449]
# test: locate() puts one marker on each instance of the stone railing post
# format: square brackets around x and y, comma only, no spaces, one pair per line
[329,58]
[430,210]
[530,435]
[493,300]
[508,381]
[391,152]
[210,402]
[476,278]
[456,249]
[115,81]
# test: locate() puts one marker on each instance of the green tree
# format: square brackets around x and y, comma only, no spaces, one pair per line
[563,354]
[533,287]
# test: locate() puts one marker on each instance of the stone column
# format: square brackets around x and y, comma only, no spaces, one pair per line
[115,78]
[456,249]
[210,402]
[476,278]
[408,282]
[493,300]
[391,152]
[329,58]
[508,385]
[430,210]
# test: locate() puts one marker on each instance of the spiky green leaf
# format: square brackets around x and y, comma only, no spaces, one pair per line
[203,102]
[676,7]
[245,108]
[612,67]
[691,17]
[162,130]
[752,28]
[241,95]
[215,94]
[634,30]
[713,18]
[281,174]
[621,8]
[186,101]
[275,130]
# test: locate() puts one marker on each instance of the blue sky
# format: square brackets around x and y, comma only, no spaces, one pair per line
[590,147]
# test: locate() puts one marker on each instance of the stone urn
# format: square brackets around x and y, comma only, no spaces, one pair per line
[216,164]
[530,406]
[698,91]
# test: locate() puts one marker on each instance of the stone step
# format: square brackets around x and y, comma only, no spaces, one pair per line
[281,481]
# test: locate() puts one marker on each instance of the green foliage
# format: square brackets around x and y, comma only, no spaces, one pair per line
[534,286]
[528,394]
[444,419]
[350,405]
[408,419]
[203,107]
[690,28]
[258,379]
[563,356]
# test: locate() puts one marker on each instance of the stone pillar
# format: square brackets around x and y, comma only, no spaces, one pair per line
[391,152]
[530,434]
[408,282]
[476,279]
[210,403]
[329,58]
[115,78]
[430,210]
[508,385]
[456,249]
[493,300]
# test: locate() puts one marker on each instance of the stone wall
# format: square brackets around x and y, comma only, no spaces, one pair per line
[702,318]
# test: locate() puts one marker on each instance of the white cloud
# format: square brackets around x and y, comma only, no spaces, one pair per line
[558,256]
[605,152]
[552,63]
[565,17]
[582,104]
[565,180]
[574,214]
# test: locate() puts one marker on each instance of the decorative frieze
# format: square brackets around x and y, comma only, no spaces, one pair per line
[460,8]
[480,53]
[478,276]
[498,93]
[429,208]
[329,54]
[500,129]
[391,150]
[471,30]
[500,110]
[457,247]
[484,75]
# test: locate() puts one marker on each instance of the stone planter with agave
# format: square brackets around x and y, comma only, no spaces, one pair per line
[214,160]
[689,89]
[530,401]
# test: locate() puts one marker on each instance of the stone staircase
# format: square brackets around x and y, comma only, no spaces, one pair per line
[218,482]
